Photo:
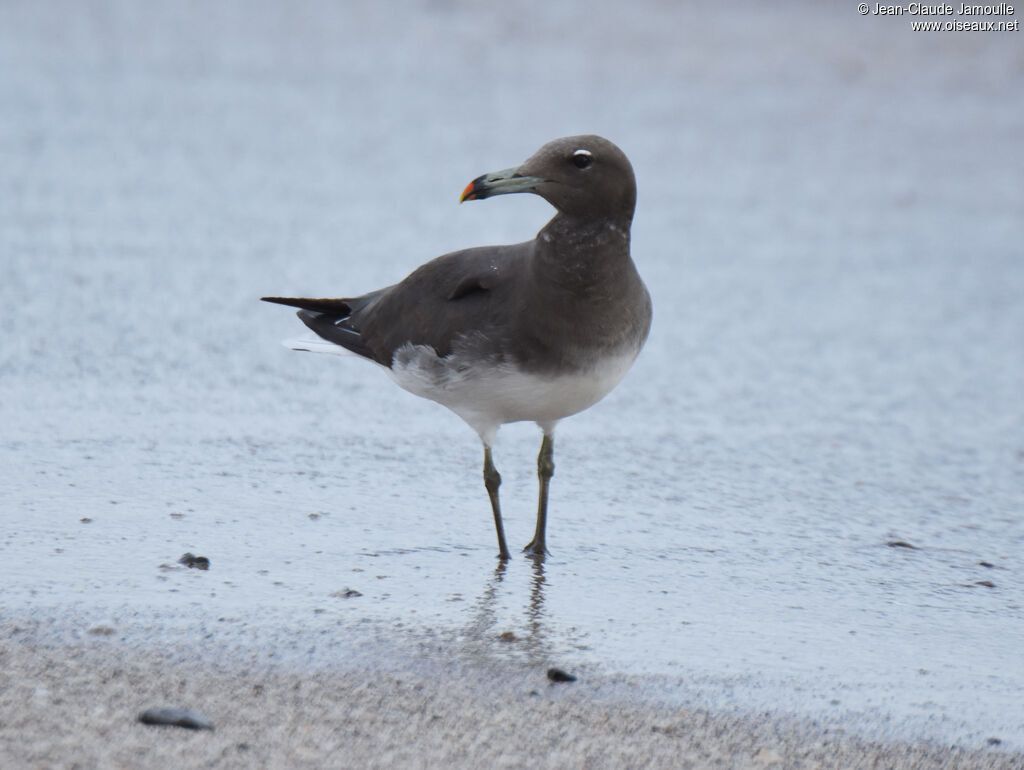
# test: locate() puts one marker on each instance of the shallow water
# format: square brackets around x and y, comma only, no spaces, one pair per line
[830,222]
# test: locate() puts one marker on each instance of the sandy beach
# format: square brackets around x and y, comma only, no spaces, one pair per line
[76,706]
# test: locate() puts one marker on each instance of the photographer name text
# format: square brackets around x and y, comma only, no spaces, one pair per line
[941,9]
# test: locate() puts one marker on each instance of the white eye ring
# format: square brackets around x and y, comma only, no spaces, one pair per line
[582,158]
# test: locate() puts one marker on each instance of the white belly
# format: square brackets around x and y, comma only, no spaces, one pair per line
[488,396]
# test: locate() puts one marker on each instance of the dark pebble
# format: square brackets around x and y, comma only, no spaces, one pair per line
[192,561]
[176,717]
[901,544]
[346,593]
[988,564]
[986,583]
[557,675]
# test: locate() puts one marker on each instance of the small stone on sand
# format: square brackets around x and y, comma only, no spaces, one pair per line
[557,675]
[176,717]
[192,561]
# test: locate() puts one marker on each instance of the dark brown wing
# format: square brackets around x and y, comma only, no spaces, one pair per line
[454,294]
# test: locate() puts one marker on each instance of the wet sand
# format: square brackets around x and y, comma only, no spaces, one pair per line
[77,705]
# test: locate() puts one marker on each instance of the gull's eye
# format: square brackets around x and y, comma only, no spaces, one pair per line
[582,158]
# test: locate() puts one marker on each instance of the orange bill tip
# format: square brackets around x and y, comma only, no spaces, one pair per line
[468,194]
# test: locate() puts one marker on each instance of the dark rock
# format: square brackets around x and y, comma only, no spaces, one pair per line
[194,562]
[557,675]
[176,717]
[346,593]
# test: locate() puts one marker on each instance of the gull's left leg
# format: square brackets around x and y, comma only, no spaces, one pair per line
[545,470]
